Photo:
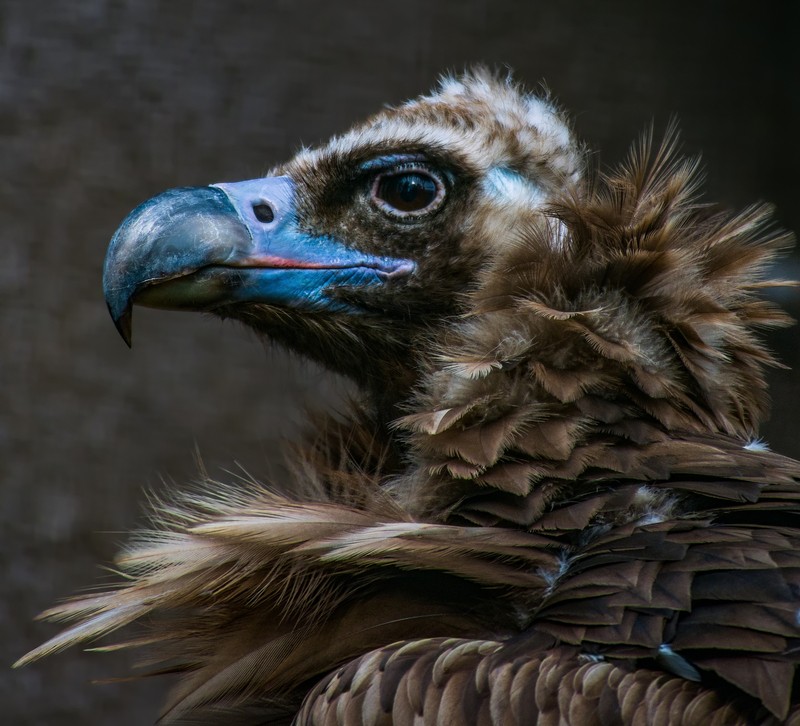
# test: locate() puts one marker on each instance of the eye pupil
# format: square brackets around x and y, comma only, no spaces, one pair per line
[407,191]
[413,187]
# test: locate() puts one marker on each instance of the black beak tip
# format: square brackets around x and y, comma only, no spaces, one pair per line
[123,323]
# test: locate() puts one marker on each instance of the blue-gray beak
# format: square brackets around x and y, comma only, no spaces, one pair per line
[199,248]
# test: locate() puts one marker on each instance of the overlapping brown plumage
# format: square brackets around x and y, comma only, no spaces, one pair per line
[568,524]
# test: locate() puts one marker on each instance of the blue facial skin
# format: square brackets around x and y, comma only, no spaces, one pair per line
[200,248]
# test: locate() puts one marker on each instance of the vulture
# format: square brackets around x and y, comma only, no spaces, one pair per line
[547,502]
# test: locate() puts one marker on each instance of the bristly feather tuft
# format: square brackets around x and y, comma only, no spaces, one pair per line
[638,329]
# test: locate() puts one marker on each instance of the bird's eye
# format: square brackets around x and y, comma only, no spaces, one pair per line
[407,193]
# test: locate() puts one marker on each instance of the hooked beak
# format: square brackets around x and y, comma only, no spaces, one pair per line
[199,248]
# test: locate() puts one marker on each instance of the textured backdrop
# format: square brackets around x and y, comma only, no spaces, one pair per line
[104,103]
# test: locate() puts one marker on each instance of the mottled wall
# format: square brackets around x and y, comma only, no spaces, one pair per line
[104,103]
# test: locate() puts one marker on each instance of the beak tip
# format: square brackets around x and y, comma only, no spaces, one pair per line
[176,233]
[124,324]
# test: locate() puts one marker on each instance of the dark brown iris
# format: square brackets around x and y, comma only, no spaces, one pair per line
[407,192]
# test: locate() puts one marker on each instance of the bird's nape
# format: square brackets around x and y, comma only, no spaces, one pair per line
[546,506]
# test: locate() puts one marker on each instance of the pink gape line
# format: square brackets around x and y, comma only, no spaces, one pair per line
[271,261]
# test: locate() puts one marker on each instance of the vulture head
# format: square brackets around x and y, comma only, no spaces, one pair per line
[352,252]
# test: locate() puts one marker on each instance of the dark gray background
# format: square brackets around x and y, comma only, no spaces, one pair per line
[104,103]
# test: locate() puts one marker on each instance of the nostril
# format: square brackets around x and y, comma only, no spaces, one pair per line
[263,212]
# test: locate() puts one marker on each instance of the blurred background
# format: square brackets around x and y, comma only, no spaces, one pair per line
[104,103]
